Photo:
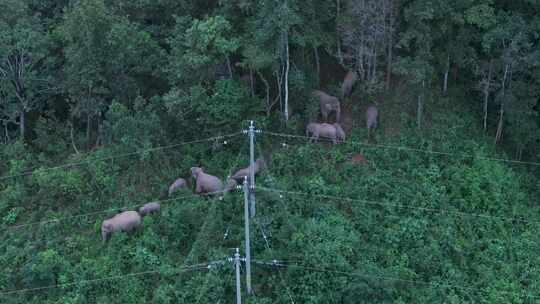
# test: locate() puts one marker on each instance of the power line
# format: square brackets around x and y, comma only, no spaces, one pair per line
[210,214]
[286,207]
[236,163]
[385,228]
[121,155]
[135,274]
[56,220]
[398,205]
[130,207]
[276,263]
[273,184]
[204,286]
[403,148]
[123,207]
[99,212]
[267,245]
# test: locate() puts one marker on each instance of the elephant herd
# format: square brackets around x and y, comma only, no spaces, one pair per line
[205,184]
[329,104]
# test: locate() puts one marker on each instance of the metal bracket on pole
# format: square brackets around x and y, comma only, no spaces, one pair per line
[247,236]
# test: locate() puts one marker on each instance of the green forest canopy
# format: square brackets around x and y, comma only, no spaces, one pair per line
[103,104]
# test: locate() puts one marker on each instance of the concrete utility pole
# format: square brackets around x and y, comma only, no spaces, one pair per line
[252,167]
[237,266]
[248,249]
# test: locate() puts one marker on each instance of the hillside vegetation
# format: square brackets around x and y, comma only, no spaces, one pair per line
[104,104]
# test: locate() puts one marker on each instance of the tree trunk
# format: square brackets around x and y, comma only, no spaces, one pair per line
[100,136]
[419,112]
[22,124]
[338,14]
[267,87]
[251,83]
[389,62]
[420,106]
[229,67]
[498,135]
[280,96]
[390,45]
[486,94]
[374,66]
[73,139]
[287,64]
[317,64]
[445,84]
[7,132]
[88,145]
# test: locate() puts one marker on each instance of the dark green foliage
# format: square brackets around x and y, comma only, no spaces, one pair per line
[103,104]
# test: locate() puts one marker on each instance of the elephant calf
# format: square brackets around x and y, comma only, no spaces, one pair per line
[205,183]
[333,132]
[242,173]
[149,208]
[348,84]
[177,185]
[125,221]
[371,117]
[328,103]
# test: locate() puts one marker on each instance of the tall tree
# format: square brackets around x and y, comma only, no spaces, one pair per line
[198,47]
[417,41]
[511,42]
[84,30]
[23,48]
[274,26]
[367,31]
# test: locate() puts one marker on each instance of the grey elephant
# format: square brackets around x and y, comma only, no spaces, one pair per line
[328,104]
[125,222]
[372,115]
[242,173]
[205,183]
[348,84]
[332,131]
[177,185]
[149,208]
